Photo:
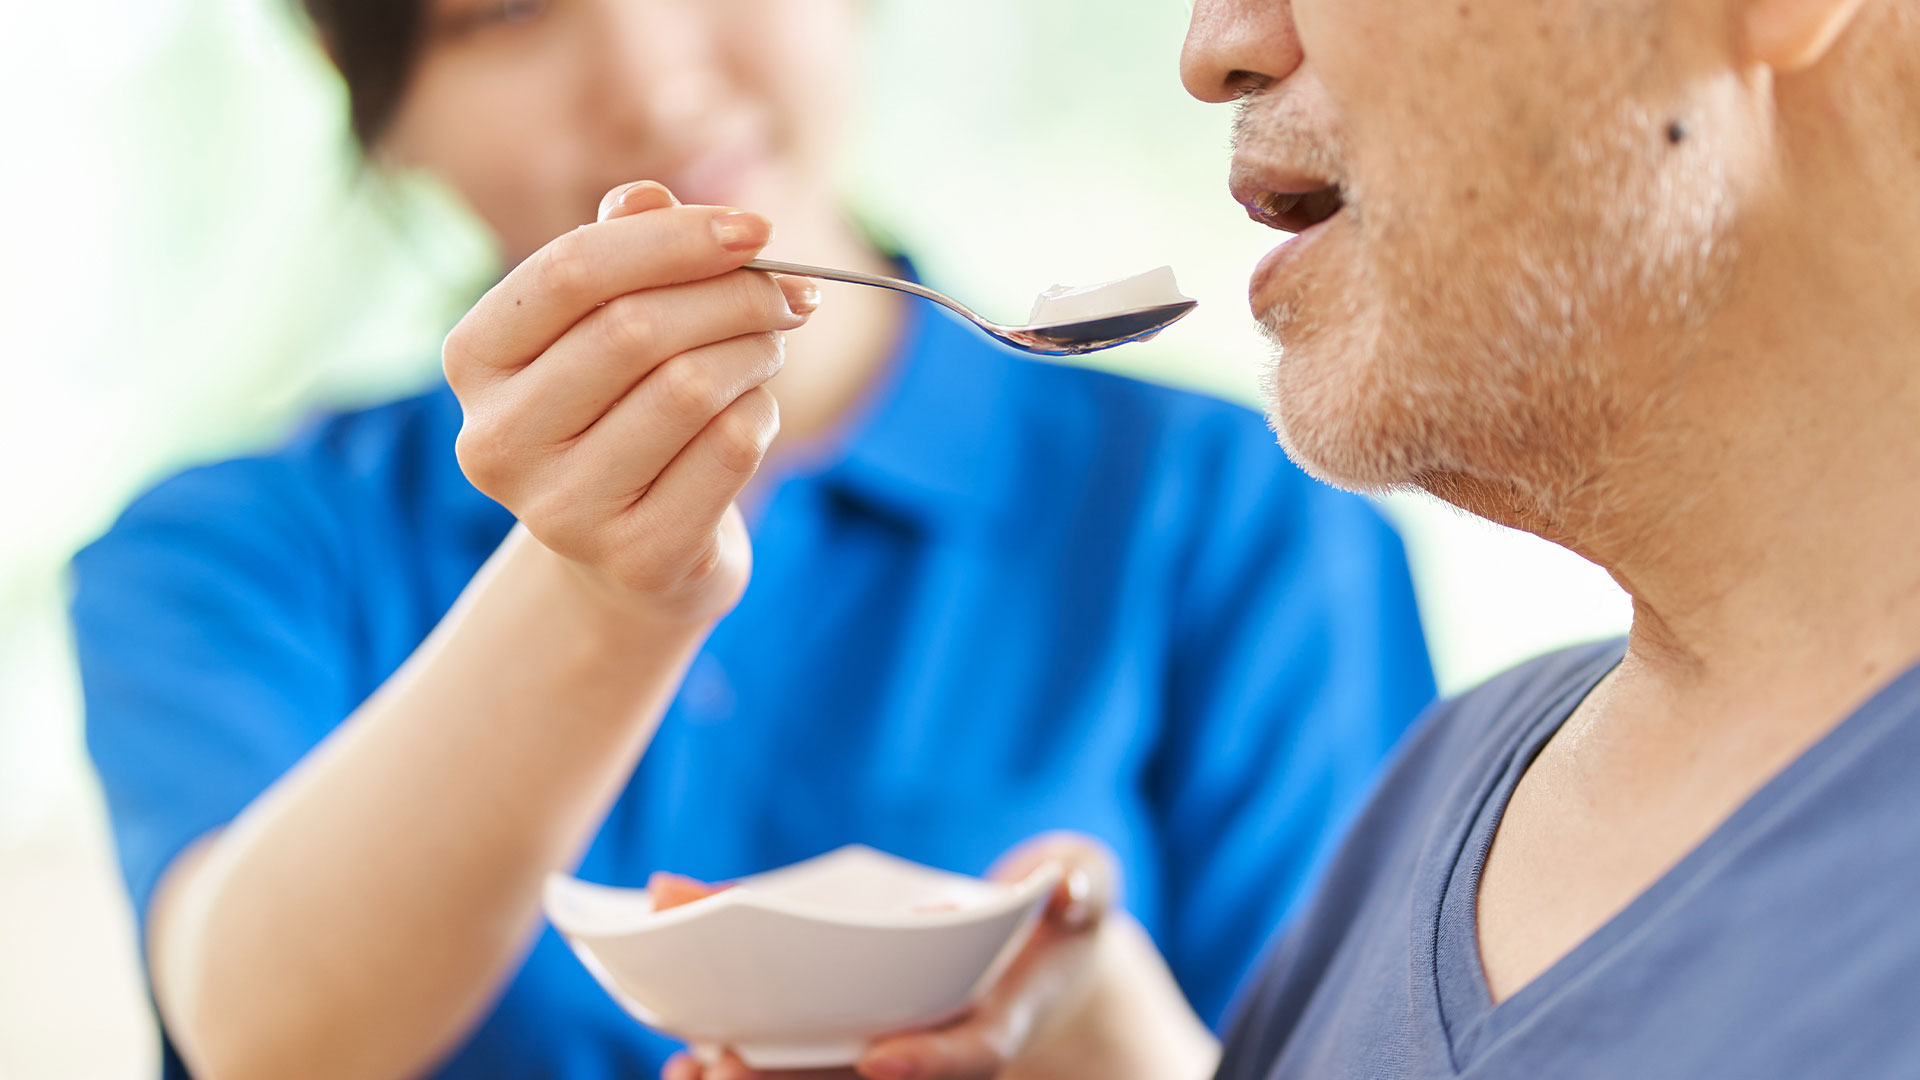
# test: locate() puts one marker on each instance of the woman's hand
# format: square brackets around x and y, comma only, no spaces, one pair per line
[388,886]
[615,398]
[1046,978]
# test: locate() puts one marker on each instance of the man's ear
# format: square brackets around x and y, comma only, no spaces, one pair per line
[1790,35]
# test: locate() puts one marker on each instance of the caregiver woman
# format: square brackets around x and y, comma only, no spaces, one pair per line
[349,715]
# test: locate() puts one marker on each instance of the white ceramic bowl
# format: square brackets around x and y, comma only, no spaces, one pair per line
[802,967]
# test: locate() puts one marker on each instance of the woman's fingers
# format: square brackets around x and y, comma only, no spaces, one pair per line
[1089,876]
[731,1067]
[716,465]
[970,1050]
[562,283]
[696,490]
[979,1046]
[611,390]
[803,294]
[681,1066]
[1047,972]
[954,1055]
[605,355]
[620,459]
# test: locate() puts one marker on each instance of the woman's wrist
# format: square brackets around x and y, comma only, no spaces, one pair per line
[609,606]
[605,608]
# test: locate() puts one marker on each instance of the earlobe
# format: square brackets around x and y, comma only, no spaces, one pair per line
[1791,35]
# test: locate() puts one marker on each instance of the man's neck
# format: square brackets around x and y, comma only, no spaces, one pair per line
[1771,542]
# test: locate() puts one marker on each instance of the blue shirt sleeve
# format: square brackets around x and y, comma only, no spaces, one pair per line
[211,629]
[1298,663]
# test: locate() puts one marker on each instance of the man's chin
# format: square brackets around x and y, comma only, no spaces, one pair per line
[1337,453]
[1325,401]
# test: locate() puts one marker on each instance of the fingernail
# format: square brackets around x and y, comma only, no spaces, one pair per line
[633,191]
[625,196]
[740,231]
[613,198]
[803,295]
[644,191]
[890,1068]
[1079,911]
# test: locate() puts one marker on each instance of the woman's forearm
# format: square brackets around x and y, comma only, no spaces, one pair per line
[361,914]
[1128,1021]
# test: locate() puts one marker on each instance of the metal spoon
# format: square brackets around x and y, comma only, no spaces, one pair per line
[1062,339]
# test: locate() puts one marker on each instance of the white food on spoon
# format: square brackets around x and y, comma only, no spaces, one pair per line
[1062,305]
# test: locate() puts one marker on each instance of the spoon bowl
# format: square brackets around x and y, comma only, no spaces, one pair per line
[1072,338]
[1093,335]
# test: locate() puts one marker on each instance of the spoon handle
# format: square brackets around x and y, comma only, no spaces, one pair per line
[854,277]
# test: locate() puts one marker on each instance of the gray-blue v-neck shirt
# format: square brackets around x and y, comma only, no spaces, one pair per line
[1786,945]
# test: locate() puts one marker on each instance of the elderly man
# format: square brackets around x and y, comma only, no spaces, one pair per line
[1642,277]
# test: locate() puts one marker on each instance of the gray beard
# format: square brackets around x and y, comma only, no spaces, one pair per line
[1537,366]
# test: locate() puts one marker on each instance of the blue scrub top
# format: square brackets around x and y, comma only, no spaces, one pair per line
[1022,597]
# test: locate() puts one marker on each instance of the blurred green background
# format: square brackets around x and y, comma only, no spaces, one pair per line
[193,261]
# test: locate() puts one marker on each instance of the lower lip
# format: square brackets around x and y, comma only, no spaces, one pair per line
[1282,259]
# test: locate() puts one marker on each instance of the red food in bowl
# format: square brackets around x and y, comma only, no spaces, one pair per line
[673,890]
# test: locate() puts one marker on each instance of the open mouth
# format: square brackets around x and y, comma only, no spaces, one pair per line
[1295,212]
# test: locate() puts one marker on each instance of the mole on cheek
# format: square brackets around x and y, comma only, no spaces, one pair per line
[1676,132]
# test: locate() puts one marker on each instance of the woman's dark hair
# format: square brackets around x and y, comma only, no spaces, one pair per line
[375,44]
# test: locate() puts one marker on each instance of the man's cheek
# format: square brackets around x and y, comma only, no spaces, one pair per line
[1369,52]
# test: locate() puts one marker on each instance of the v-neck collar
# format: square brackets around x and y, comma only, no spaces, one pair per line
[1459,982]
[1472,1024]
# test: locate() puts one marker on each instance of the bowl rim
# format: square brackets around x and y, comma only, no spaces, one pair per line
[641,919]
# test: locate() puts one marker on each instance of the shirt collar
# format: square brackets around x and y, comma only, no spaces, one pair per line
[933,446]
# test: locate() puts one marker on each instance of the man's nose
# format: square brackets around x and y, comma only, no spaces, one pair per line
[1234,46]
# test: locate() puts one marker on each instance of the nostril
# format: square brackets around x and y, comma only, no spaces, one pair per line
[1238,46]
[1245,84]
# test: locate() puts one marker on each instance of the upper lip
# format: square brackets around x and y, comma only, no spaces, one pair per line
[1282,198]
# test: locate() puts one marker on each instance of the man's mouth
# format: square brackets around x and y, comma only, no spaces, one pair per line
[1294,197]
[1295,211]
[1285,200]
